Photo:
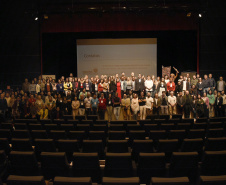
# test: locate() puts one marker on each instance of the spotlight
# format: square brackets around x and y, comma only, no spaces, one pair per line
[36,18]
[200,15]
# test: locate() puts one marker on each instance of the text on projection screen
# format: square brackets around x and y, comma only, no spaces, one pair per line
[111,56]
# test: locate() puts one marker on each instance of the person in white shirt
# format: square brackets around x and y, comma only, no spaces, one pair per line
[148,85]
[149,104]
[135,106]
[172,100]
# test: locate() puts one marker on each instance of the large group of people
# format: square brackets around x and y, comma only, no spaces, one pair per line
[133,97]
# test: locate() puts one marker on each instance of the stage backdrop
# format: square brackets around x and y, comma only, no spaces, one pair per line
[111,56]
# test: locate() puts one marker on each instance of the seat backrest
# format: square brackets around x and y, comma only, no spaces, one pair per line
[177,134]
[213,180]
[20,126]
[191,145]
[25,180]
[21,134]
[158,134]
[68,145]
[117,146]
[72,181]
[121,181]
[117,135]
[5,133]
[21,144]
[39,134]
[144,146]
[86,161]
[58,134]
[170,181]
[152,160]
[4,145]
[215,144]
[118,160]
[54,160]
[170,145]
[45,145]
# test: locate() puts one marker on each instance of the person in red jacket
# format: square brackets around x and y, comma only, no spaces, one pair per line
[170,86]
[102,106]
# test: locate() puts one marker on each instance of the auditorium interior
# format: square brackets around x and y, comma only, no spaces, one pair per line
[38,37]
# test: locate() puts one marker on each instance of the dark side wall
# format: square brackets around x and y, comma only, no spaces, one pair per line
[19,42]
[213,39]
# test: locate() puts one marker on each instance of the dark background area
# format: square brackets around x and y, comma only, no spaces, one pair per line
[20,51]
[59,49]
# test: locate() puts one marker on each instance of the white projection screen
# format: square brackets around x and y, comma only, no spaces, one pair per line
[111,56]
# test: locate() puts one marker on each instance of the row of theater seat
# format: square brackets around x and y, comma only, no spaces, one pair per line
[113,126]
[116,165]
[113,146]
[39,180]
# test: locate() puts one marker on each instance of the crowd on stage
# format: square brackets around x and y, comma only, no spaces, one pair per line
[133,96]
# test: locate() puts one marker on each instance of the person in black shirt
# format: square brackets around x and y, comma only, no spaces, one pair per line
[109,107]
[3,106]
[187,104]
[117,107]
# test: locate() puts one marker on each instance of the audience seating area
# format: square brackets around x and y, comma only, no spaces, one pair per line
[154,151]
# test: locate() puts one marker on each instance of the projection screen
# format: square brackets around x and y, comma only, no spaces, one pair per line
[112,56]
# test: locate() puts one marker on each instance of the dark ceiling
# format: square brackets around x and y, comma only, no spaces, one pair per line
[83,6]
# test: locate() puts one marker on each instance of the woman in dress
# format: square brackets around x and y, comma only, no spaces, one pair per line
[118,84]
[135,106]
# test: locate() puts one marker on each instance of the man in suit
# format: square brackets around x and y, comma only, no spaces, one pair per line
[139,84]
[187,104]
[156,104]
[180,103]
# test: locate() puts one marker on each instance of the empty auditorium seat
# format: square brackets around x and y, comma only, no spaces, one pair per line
[4,145]
[184,164]
[119,165]
[20,126]
[6,126]
[46,121]
[170,181]
[217,132]
[98,135]
[117,135]
[120,181]
[69,147]
[215,144]
[91,146]
[144,146]
[21,144]
[87,165]
[80,117]
[3,164]
[158,134]
[200,126]
[44,145]
[83,127]
[116,127]
[215,125]
[213,180]
[5,133]
[67,127]
[23,163]
[72,181]
[58,121]
[25,180]
[149,127]
[192,145]
[196,133]
[49,127]
[151,165]
[170,145]
[133,127]
[35,126]
[214,163]
[201,120]
[184,126]
[177,134]
[21,134]
[54,164]
[177,116]
[167,126]
[139,134]
[92,117]
[57,134]
[118,146]
[100,127]
[78,135]
[39,134]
